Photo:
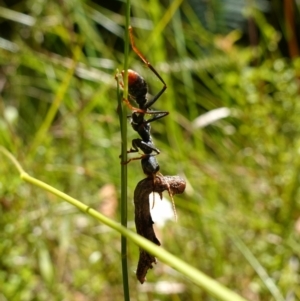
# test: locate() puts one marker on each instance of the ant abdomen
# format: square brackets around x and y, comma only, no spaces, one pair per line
[137,87]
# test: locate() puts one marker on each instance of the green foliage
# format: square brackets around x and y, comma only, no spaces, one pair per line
[238,220]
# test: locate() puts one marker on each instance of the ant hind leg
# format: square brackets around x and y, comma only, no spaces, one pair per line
[141,56]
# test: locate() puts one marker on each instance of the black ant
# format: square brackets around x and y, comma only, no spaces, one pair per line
[138,89]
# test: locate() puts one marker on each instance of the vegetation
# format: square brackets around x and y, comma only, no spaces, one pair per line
[238,220]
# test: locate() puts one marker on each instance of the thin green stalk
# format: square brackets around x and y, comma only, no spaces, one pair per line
[123,126]
[122,112]
[206,283]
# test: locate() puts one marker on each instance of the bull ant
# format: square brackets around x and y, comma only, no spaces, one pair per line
[138,90]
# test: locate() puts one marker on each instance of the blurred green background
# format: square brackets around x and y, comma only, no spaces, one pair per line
[233,75]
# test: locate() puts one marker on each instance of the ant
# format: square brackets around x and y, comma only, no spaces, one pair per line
[138,89]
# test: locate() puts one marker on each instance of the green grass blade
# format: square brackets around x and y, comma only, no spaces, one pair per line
[123,126]
[211,286]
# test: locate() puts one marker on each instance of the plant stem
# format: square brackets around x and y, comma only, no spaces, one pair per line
[123,126]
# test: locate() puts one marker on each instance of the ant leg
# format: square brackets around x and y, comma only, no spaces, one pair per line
[134,148]
[133,159]
[147,148]
[155,98]
[117,75]
[132,108]
[136,144]
[158,115]
[135,49]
